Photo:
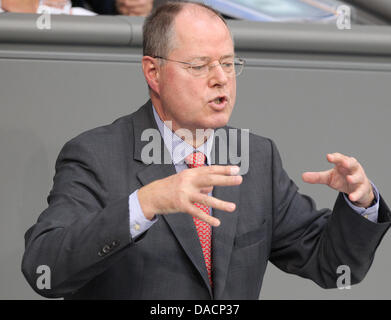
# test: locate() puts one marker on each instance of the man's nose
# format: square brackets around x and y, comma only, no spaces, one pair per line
[217,75]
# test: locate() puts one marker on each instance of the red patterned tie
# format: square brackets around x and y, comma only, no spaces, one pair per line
[204,230]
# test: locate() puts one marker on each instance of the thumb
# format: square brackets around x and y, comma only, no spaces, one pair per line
[322,177]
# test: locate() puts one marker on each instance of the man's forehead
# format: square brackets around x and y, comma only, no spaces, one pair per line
[199,20]
[201,34]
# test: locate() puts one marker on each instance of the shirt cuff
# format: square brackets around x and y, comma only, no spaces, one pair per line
[370,213]
[138,223]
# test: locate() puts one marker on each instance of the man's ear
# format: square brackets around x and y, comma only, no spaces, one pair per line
[151,72]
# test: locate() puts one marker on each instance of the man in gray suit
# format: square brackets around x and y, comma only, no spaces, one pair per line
[118,226]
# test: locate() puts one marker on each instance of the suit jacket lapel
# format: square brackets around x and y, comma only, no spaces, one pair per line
[223,236]
[181,224]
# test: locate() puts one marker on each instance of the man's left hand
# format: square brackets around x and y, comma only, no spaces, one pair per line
[347,176]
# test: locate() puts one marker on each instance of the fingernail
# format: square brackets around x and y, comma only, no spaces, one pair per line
[234,170]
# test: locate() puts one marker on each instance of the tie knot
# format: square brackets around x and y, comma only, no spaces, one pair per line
[195,160]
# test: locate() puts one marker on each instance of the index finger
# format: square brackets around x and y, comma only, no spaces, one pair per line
[344,161]
[222,170]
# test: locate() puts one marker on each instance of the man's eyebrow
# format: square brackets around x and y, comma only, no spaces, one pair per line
[205,58]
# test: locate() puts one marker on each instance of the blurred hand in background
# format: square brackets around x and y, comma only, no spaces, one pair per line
[22,6]
[134,7]
[37,6]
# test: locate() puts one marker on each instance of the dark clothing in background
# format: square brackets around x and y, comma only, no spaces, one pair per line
[105,6]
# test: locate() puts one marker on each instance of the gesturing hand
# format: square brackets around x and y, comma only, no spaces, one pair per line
[179,192]
[347,176]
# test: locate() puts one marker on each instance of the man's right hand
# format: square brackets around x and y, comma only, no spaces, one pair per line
[179,192]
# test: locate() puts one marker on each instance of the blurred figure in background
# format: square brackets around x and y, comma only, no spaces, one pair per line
[134,7]
[39,6]
[82,7]
[124,7]
[22,6]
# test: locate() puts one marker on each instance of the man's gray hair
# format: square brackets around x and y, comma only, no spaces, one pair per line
[158,30]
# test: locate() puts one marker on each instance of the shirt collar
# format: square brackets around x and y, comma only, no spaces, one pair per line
[178,148]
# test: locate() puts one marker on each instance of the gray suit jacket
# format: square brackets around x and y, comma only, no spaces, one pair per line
[84,237]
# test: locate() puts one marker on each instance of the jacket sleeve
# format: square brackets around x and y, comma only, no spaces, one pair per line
[313,243]
[79,235]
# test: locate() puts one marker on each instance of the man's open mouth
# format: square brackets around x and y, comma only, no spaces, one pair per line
[219,100]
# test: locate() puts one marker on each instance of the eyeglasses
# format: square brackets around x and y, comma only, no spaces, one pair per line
[231,66]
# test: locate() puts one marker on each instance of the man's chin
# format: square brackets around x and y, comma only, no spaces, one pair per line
[220,121]
[210,122]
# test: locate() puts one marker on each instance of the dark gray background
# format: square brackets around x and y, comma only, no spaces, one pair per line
[313,92]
